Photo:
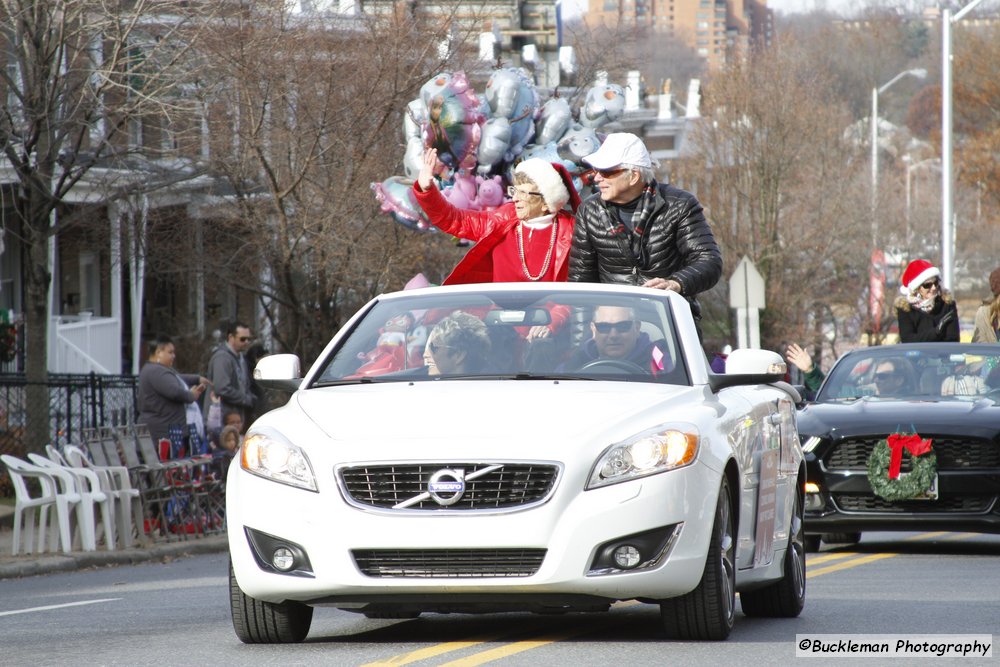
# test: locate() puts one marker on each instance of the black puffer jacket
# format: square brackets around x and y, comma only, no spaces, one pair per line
[679,245]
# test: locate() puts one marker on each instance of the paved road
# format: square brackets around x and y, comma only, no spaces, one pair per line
[176,613]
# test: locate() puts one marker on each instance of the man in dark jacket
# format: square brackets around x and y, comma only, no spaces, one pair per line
[228,372]
[640,232]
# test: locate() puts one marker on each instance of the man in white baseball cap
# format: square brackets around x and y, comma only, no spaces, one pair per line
[636,231]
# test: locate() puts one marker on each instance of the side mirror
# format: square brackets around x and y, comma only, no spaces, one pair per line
[746,366]
[279,371]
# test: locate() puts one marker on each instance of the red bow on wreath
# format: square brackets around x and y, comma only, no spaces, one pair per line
[912,442]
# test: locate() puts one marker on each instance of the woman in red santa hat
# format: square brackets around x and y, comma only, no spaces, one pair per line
[926,311]
[526,239]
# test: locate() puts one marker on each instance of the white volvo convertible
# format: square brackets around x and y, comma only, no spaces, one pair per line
[519,447]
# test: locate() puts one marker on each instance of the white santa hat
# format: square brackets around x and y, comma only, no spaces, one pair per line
[916,274]
[552,180]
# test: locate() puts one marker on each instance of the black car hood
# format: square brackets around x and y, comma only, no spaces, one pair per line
[870,415]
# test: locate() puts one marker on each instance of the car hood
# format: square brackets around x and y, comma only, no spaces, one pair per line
[872,415]
[511,410]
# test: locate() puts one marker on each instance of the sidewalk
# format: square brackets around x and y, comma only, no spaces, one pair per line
[32,564]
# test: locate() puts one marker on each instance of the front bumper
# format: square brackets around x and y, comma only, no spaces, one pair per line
[569,527]
[967,501]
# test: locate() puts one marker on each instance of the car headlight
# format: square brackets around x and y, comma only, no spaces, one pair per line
[648,453]
[268,454]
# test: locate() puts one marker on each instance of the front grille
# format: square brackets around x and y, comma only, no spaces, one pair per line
[952,453]
[511,485]
[864,503]
[448,563]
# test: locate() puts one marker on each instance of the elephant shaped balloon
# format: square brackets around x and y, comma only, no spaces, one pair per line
[554,120]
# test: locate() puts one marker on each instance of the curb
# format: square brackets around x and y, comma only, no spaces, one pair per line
[31,565]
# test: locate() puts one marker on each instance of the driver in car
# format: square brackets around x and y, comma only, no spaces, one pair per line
[618,342]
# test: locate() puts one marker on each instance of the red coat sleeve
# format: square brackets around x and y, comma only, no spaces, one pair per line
[465,224]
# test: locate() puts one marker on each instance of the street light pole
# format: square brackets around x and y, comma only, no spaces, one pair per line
[919,73]
[947,221]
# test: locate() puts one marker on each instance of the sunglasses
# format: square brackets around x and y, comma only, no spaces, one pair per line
[609,173]
[930,283]
[886,376]
[244,339]
[514,193]
[621,327]
[435,347]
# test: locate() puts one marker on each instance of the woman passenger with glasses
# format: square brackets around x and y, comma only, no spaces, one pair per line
[524,240]
[926,311]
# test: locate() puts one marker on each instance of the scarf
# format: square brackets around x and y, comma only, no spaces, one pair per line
[926,305]
[644,211]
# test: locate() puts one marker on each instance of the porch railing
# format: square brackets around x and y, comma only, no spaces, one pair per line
[83,344]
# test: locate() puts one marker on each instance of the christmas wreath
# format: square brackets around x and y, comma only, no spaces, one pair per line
[887,458]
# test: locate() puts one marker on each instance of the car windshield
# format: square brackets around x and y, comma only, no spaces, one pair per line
[530,334]
[921,372]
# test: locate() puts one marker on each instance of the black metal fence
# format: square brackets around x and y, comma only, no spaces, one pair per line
[75,402]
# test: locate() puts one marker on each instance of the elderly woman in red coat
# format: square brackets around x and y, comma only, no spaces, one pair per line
[526,239]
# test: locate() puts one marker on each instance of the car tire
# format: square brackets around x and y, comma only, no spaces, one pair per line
[812,543]
[842,538]
[708,612]
[259,622]
[785,597]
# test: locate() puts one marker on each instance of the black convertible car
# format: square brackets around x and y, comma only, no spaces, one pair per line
[869,466]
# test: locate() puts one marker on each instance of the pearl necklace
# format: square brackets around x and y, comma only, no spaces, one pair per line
[548,254]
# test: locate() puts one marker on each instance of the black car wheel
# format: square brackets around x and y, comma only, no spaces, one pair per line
[709,610]
[785,597]
[259,622]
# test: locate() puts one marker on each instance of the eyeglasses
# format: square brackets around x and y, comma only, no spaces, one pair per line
[514,193]
[930,284]
[620,327]
[608,174]
[436,347]
[886,376]
[244,339]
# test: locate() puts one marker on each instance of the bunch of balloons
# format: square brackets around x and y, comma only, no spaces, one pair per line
[481,138]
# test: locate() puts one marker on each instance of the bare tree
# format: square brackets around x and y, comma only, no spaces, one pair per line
[781,184]
[81,79]
[308,115]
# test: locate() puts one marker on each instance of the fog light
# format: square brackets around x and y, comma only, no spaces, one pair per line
[627,557]
[814,499]
[283,559]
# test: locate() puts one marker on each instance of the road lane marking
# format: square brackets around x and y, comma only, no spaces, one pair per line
[56,606]
[502,652]
[429,652]
[825,558]
[854,562]
[925,536]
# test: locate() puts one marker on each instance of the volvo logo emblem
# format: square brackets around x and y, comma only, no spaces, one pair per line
[446,486]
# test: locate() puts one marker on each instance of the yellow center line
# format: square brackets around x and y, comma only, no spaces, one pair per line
[847,564]
[429,652]
[502,652]
[961,536]
[825,558]
[926,536]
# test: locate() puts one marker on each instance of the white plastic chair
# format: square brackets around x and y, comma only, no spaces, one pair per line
[26,506]
[88,488]
[115,482]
